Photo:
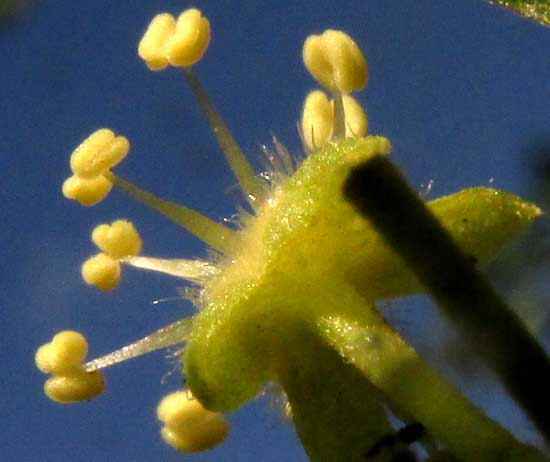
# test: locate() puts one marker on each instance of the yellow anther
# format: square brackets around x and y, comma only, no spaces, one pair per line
[188,426]
[66,351]
[76,386]
[86,191]
[191,39]
[117,240]
[101,271]
[335,61]
[317,120]
[180,43]
[356,118]
[98,153]
[62,357]
[152,47]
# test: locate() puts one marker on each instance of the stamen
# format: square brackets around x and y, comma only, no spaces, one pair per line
[339,126]
[336,62]
[182,44]
[167,336]
[248,181]
[190,270]
[215,235]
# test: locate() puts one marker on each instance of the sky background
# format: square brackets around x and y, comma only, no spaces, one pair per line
[460,87]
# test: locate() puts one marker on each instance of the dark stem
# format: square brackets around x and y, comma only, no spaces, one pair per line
[379,191]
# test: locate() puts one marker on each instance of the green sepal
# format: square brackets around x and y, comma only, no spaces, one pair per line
[481,220]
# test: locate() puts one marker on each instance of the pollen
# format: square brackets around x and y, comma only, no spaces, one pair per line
[62,357]
[335,61]
[117,240]
[179,43]
[188,426]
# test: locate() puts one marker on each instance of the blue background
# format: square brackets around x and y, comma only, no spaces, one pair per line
[460,87]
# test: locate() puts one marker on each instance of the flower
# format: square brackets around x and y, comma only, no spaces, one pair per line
[288,294]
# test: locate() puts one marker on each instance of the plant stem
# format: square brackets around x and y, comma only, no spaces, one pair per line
[416,391]
[338,413]
[379,191]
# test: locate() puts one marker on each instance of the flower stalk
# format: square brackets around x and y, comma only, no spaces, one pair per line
[450,276]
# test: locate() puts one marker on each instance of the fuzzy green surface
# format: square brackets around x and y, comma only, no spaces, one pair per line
[539,10]
[306,248]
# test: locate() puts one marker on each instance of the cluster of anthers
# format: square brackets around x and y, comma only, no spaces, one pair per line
[335,62]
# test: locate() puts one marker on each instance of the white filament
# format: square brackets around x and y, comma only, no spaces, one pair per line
[190,270]
[167,336]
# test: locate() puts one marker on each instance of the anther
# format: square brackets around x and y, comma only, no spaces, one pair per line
[179,43]
[188,426]
[86,191]
[190,40]
[335,61]
[66,351]
[101,151]
[317,120]
[62,357]
[152,47]
[101,271]
[117,240]
[356,118]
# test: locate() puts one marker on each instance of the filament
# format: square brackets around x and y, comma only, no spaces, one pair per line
[167,336]
[214,234]
[248,181]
